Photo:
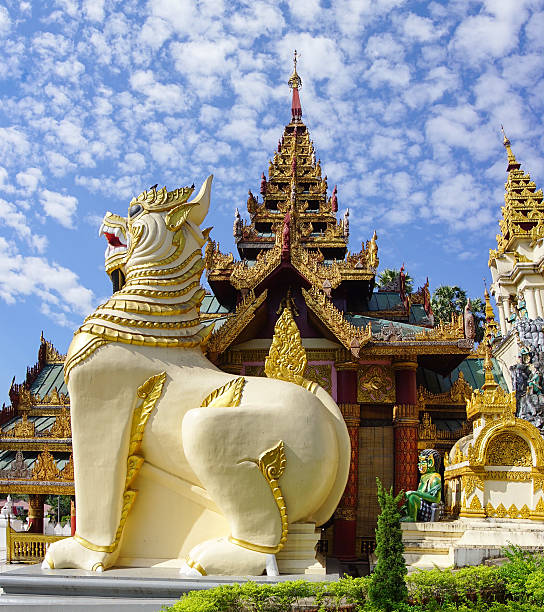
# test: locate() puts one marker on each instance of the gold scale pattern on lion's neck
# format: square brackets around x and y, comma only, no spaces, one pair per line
[159,304]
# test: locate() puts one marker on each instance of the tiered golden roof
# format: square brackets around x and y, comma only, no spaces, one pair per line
[295,220]
[523,211]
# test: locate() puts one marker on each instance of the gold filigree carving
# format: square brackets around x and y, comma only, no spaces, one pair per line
[538,513]
[225,335]
[62,427]
[67,472]
[149,393]
[287,359]
[507,475]
[508,449]
[459,393]
[227,396]
[23,429]
[51,353]
[513,511]
[474,510]
[538,483]
[490,510]
[246,277]
[376,383]
[320,374]
[470,483]
[45,468]
[353,338]
[454,330]
[525,512]
[501,511]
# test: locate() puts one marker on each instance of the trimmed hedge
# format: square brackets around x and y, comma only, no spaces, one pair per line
[516,586]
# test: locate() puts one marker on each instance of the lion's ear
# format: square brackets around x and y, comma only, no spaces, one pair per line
[201,203]
[177,216]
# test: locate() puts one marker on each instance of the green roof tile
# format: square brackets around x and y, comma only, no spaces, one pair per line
[51,376]
[473,371]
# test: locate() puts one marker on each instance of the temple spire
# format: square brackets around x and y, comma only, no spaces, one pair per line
[512,163]
[295,83]
[489,334]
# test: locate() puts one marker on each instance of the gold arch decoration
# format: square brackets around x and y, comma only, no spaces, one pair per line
[508,449]
[508,424]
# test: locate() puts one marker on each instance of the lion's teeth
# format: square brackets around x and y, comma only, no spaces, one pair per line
[101,230]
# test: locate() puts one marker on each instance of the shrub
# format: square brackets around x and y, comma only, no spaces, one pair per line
[521,564]
[469,584]
[253,597]
[388,586]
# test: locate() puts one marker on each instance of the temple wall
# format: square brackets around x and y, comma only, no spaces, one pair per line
[375,460]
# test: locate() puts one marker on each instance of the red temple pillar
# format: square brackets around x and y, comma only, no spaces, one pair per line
[405,426]
[72,516]
[35,513]
[345,516]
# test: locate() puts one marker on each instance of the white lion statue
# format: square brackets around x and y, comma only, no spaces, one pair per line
[222,464]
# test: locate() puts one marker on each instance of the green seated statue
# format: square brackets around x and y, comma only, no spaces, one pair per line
[418,506]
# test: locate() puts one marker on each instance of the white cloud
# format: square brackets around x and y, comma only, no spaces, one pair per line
[59,165]
[382,72]
[14,145]
[180,14]
[94,9]
[163,98]
[534,29]
[5,21]
[60,207]
[29,179]
[420,29]
[492,33]
[53,285]
[384,45]
[258,19]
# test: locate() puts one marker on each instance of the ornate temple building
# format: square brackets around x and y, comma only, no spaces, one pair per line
[401,381]
[36,439]
[377,352]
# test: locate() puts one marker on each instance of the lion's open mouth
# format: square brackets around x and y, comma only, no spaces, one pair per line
[113,240]
[115,237]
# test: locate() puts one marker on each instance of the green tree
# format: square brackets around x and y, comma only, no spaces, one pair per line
[390,274]
[388,586]
[448,300]
[58,503]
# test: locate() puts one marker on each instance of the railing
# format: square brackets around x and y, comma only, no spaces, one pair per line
[24,547]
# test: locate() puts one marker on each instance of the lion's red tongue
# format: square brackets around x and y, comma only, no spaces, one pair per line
[113,240]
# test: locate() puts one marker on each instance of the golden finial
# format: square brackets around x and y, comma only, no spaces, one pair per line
[295,82]
[489,334]
[512,163]
[488,367]
[489,313]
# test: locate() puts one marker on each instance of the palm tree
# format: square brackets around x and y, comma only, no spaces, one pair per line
[390,274]
[450,299]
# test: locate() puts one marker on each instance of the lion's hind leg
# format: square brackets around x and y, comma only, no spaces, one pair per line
[241,475]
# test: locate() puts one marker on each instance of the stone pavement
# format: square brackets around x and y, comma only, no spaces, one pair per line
[139,589]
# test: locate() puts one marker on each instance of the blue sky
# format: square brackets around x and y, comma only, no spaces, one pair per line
[101,99]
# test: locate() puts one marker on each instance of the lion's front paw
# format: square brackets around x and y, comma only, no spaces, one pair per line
[69,553]
[225,558]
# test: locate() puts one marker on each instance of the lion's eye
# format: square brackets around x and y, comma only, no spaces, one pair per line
[134,210]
